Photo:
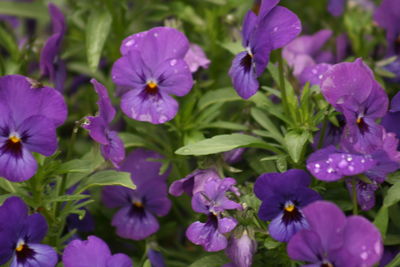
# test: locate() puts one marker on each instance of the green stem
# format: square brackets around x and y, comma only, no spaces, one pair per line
[322,134]
[282,83]
[354,194]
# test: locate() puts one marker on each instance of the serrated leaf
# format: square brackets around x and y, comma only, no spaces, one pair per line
[97,30]
[104,178]
[222,143]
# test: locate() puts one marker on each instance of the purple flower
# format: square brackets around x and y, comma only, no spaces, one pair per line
[336,7]
[212,201]
[234,156]
[365,193]
[334,240]
[93,252]
[112,147]
[333,133]
[283,196]
[193,183]
[351,89]
[136,216]
[21,234]
[28,119]
[272,28]
[241,250]
[391,121]
[50,63]
[196,58]
[305,51]
[156,258]
[387,15]
[152,67]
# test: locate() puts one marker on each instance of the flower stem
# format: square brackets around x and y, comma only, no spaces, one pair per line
[354,194]
[322,133]
[282,83]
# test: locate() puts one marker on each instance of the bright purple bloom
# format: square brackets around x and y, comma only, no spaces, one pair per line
[152,67]
[112,147]
[352,90]
[241,250]
[306,51]
[50,63]
[196,58]
[272,28]
[391,121]
[334,240]
[20,236]
[336,7]
[29,116]
[283,196]
[93,252]
[156,258]
[193,183]
[387,15]
[212,202]
[136,217]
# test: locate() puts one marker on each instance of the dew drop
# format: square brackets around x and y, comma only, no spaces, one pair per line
[172,62]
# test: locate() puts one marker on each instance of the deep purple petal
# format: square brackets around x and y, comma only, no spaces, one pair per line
[90,252]
[243,75]
[305,245]
[156,258]
[206,235]
[135,225]
[336,7]
[193,182]
[174,77]
[38,134]
[130,71]
[36,228]
[114,150]
[249,24]
[106,109]
[116,196]
[266,7]
[226,225]
[281,231]
[241,250]
[314,74]
[97,128]
[17,168]
[156,109]
[120,260]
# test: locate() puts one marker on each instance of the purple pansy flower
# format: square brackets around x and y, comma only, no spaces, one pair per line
[387,15]
[156,258]
[152,67]
[272,28]
[212,201]
[93,252]
[196,58]
[20,236]
[333,133]
[391,121]
[28,119]
[283,196]
[334,240]
[351,89]
[136,217]
[336,7]
[50,63]
[305,51]
[365,193]
[241,250]
[112,147]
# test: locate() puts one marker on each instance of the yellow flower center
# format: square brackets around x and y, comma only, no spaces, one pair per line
[15,139]
[289,208]
[152,85]
[359,119]
[20,247]
[138,204]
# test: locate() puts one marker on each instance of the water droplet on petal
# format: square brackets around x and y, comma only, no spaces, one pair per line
[172,62]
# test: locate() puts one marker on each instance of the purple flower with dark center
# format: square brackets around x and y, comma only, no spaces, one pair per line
[28,119]
[93,252]
[241,250]
[152,67]
[21,234]
[112,147]
[136,217]
[306,51]
[351,89]
[213,201]
[334,240]
[283,196]
[196,58]
[387,15]
[272,28]
[336,7]
[50,63]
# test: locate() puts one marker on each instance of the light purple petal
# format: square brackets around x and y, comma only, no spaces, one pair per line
[243,76]
[314,74]
[283,232]
[226,225]
[206,235]
[17,168]
[130,71]
[174,77]
[120,260]
[97,128]
[305,245]
[196,58]
[44,256]
[106,110]
[114,150]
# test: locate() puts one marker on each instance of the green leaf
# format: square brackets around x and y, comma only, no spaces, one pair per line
[295,144]
[76,165]
[147,263]
[222,143]
[393,195]
[225,125]
[68,198]
[382,220]
[218,96]
[132,140]
[35,10]
[104,178]
[215,260]
[260,117]
[395,262]
[233,47]
[97,30]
